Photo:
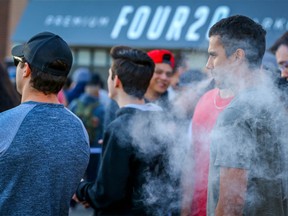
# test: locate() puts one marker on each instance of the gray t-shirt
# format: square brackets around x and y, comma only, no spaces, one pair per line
[248,135]
[44,153]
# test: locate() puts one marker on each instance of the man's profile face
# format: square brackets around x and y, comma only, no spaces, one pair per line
[161,79]
[281,55]
[110,85]
[220,66]
[19,77]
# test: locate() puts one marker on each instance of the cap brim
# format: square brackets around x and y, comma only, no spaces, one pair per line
[18,51]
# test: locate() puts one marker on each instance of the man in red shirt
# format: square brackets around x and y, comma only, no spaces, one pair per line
[207,110]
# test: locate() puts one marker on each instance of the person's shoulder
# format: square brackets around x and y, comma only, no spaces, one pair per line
[234,113]
[10,114]
[206,99]
[21,109]
[69,114]
[12,119]
[125,112]
[121,116]
[124,117]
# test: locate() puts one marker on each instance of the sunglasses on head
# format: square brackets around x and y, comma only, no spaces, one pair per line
[17,60]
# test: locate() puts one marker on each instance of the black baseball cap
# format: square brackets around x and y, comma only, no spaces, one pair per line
[42,50]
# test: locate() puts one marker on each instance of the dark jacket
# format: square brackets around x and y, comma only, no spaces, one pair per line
[133,155]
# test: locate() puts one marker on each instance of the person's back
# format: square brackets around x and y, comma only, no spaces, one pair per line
[80,78]
[136,160]
[90,110]
[43,162]
[132,164]
[44,148]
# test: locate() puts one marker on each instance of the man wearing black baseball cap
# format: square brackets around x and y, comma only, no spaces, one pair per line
[43,147]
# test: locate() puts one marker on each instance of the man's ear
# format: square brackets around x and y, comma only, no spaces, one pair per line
[27,70]
[117,82]
[239,55]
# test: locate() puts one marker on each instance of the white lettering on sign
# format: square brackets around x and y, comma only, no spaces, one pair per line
[280,24]
[276,24]
[76,21]
[201,16]
[267,22]
[158,22]
[121,21]
[136,20]
[139,22]
[178,21]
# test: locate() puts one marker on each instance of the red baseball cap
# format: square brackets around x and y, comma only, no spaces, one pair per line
[162,56]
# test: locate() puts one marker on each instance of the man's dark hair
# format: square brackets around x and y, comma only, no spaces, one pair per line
[134,68]
[241,32]
[283,40]
[46,82]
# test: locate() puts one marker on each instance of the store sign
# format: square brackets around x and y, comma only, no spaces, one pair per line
[69,21]
[171,24]
[178,25]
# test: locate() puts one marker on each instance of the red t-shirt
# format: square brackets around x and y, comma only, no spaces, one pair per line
[205,116]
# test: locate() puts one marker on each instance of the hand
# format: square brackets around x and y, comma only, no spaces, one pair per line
[75,198]
[84,203]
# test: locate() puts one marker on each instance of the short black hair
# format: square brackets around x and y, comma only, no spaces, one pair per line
[46,82]
[134,68]
[283,40]
[241,32]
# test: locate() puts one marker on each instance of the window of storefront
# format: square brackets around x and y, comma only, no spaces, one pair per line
[83,57]
[100,58]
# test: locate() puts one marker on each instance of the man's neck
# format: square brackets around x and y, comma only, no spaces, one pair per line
[226,93]
[37,96]
[125,100]
[248,78]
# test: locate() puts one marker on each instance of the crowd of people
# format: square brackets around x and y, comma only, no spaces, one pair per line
[162,140]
